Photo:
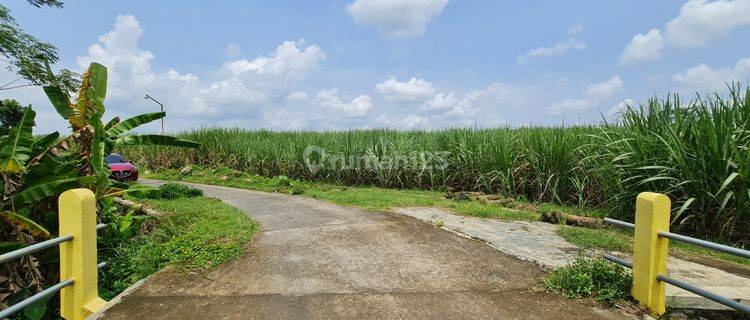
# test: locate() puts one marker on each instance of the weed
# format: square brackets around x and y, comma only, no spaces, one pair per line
[597,278]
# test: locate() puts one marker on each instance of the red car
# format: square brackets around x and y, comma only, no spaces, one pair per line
[120,168]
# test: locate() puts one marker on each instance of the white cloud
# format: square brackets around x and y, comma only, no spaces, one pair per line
[411,121]
[233,51]
[413,90]
[223,97]
[285,119]
[560,48]
[129,66]
[571,105]
[643,47]
[595,93]
[296,96]
[287,65]
[241,87]
[496,98]
[441,101]
[574,29]
[605,89]
[400,18]
[703,76]
[358,107]
[701,21]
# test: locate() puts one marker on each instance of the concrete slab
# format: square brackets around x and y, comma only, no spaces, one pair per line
[538,242]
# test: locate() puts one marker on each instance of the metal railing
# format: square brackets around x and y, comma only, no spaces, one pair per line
[77,210]
[650,250]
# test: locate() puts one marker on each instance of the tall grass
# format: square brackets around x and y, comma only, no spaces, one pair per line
[696,152]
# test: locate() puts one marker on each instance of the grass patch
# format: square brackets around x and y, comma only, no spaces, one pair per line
[372,198]
[595,278]
[193,233]
[605,239]
[611,239]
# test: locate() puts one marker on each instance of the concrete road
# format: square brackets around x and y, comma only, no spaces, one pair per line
[315,260]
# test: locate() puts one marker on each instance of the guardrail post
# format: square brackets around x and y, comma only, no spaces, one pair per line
[652,215]
[77,217]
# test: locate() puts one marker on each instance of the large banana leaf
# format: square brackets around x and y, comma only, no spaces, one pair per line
[97,150]
[97,90]
[59,100]
[112,123]
[6,247]
[41,191]
[155,139]
[24,223]
[57,96]
[46,141]
[90,101]
[98,82]
[16,149]
[134,122]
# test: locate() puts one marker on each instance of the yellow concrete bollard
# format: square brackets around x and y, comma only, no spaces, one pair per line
[77,217]
[650,251]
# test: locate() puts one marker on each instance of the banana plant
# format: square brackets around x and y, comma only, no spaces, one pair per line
[31,170]
[91,135]
[16,145]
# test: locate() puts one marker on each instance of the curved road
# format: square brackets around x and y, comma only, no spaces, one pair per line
[320,261]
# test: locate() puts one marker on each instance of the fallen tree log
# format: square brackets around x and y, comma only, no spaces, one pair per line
[558,217]
[137,207]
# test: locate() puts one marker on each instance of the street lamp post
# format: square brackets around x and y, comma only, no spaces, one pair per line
[147,97]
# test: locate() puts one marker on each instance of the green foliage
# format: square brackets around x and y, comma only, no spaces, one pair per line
[93,139]
[26,55]
[698,153]
[174,190]
[50,3]
[193,233]
[597,278]
[24,223]
[605,239]
[34,171]
[16,147]
[119,128]
[10,115]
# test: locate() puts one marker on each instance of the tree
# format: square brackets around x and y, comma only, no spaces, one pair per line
[51,3]
[10,114]
[25,55]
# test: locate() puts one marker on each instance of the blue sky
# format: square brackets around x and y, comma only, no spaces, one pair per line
[428,64]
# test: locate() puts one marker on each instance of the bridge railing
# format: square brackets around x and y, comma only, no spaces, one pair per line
[79,292]
[650,251]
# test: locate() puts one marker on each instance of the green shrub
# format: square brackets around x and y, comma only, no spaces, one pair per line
[597,278]
[173,190]
[170,190]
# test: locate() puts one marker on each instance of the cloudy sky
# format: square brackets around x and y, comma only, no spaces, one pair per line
[403,64]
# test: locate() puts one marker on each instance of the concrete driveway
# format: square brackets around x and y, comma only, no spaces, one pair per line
[314,260]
